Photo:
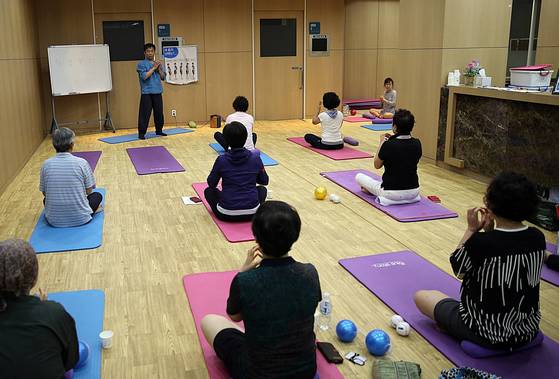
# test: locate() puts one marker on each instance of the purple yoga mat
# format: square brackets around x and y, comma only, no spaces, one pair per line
[153,160]
[395,277]
[337,155]
[420,211]
[92,157]
[377,120]
[548,274]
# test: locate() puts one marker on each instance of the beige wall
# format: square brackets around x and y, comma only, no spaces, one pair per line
[548,35]
[417,43]
[21,130]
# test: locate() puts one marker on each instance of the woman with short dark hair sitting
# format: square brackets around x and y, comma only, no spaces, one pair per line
[38,337]
[500,268]
[399,154]
[276,297]
[240,170]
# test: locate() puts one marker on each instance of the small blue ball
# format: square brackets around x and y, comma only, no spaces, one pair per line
[83,349]
[377,342]
[346,330]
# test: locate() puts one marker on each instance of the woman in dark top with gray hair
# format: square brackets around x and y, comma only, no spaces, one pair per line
[38,338]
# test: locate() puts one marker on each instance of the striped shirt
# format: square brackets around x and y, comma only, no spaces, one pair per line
[500,294]
[64,179]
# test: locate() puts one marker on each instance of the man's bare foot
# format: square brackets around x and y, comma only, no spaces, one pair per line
[99,209]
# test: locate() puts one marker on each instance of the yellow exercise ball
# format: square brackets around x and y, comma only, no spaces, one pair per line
[320,193]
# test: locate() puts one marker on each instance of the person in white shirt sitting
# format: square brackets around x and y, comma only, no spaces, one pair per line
[240,105]
[331,123]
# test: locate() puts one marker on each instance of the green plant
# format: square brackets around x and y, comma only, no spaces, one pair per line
[472,69]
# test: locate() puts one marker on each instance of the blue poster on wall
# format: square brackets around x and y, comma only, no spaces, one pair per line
[163,30]
[314,27]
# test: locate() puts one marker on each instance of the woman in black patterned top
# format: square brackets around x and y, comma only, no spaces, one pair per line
[500,270]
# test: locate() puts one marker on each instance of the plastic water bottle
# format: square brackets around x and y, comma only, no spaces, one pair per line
[325,308]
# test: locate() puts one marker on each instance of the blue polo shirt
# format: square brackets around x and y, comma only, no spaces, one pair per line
[151,85]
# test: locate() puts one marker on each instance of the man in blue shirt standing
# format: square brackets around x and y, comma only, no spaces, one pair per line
[150,73]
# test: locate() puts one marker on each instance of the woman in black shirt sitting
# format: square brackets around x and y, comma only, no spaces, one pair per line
[38,338]
[399,154]
[500,271]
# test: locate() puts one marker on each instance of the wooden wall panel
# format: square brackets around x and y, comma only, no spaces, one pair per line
[279,5]
[65,22]
[18,41]
[419,91]
[331,14]
[388,66]
[227,75]
[227,25]
[494,61]
[477,23]
[189,100]
[548,33]
[388,20]
[549,55]
[421,24]
[361,25]
[186,19]
[360,68]
[324,74]
[122,6]
[21,130]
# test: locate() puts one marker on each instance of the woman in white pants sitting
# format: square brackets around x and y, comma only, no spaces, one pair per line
[399,154]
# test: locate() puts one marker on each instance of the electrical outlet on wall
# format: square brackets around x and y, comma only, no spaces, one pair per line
[173,113]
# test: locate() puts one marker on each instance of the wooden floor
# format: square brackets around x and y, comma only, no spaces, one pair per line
[151,240]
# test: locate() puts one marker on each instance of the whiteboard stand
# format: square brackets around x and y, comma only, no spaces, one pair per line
[107,120]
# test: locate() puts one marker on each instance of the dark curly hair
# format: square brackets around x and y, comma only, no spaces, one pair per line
[512,196]
[240,104]
[276,226]
[330,100]
[18,269]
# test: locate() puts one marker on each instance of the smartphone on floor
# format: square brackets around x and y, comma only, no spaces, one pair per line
[329,352]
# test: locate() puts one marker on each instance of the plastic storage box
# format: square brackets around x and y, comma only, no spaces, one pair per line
[532,77]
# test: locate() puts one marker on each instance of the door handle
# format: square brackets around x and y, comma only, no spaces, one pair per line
[297,68]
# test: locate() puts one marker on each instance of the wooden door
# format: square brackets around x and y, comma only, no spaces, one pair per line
[278,64]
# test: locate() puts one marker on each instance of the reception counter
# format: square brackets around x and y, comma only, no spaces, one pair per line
[490,130]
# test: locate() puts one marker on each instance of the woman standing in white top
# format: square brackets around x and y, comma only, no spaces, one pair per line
[331,123]
[240,105]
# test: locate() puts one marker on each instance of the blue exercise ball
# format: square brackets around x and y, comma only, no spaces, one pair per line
[83,350]
[346,330]
[377,342]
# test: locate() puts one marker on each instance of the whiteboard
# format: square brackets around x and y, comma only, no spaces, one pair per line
[79,69]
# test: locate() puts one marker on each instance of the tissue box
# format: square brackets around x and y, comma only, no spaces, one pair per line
[482,81]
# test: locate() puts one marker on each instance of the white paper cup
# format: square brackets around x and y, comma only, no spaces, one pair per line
[106,337]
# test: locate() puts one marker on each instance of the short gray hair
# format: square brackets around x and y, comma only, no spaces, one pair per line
[63,139]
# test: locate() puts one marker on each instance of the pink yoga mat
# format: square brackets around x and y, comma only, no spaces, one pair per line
[395,277]
[207,293]
[342,154]
[92,157]
[356,119]
[548,274]
[357,101]
[153,160]
[420,211]
[233,231]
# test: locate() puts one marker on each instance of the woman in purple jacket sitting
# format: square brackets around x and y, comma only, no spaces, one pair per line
[240,170]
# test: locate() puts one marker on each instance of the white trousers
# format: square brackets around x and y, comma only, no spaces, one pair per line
[389,197]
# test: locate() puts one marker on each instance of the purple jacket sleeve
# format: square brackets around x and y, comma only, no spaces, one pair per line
[215,175]
[262,177]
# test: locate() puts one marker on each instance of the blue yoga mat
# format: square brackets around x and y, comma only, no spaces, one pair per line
[134,136]
[265,158]
[48,239]
[378,127]
[88,310]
